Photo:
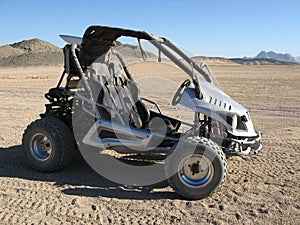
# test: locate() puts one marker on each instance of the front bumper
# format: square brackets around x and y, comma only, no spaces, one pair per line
[240,145]
[244,146]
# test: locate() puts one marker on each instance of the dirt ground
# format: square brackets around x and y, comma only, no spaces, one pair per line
[260,189]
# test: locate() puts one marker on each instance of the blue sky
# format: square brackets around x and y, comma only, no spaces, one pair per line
[232,28]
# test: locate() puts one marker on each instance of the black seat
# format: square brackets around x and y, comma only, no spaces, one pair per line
[156,123]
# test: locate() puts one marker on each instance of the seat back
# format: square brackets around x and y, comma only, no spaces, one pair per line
[112,88]
[132,90]
[142,110]
[69,65]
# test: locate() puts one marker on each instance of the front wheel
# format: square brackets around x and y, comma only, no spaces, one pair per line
[48,145]
[197,168]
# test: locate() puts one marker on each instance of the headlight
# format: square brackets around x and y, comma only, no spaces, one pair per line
[234,122]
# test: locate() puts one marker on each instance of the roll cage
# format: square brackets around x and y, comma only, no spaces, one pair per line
[97,40]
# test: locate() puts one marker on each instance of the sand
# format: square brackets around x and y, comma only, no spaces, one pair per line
[260,189]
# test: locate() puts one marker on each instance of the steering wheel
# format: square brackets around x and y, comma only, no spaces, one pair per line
[180,91]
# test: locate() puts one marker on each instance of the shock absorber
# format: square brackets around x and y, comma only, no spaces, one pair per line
[216,128]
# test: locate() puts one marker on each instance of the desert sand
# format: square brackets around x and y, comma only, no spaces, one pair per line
[260,189]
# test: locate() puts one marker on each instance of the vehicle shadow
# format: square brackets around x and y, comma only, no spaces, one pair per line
[78,179]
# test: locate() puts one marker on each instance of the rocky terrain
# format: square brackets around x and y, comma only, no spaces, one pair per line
[260,189]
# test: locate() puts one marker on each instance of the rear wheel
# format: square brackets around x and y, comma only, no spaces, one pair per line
[48,145]
[198,170]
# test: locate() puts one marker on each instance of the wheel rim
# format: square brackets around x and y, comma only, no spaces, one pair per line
[40,147]
[196,170]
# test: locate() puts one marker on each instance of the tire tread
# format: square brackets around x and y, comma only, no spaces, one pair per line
[62,135]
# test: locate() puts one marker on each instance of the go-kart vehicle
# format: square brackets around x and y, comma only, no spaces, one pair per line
[97,105]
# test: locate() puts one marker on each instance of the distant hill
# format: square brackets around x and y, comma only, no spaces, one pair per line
[35,45]
[132,52]
[213,60]
[276,56]
[298,59]
[33,52]
[254,61]
[267,58]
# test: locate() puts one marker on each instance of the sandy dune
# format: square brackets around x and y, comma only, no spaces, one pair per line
[261,189]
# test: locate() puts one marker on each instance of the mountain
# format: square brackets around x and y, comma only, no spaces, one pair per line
[276,56]
[254,61]
[298,58]
[35,45]
[33,52]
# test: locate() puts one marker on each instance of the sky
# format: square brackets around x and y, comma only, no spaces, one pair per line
[232,28]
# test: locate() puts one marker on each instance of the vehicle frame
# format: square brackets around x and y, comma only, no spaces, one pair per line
[219,123]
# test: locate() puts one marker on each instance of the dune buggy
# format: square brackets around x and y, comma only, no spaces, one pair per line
[97,105]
